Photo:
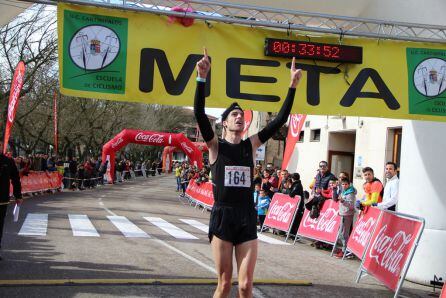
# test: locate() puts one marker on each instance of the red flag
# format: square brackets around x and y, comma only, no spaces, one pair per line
[56,133]
[14,95]
[294,129]
[248,120]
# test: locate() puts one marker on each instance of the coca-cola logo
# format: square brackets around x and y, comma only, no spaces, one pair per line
[363,230]
[15,96]
[388,251]
[149,138]
[185,147]
[282,213]
[326,221]
[294,124]
[118,141]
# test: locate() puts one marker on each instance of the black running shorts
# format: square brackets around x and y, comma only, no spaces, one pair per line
[234,224]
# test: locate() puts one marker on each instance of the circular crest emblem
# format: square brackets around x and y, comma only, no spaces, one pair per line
[94,47]
[429,77]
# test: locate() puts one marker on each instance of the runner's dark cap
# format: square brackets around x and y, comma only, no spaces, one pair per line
[233,106]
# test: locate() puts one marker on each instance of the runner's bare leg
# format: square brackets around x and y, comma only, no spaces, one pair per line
[222,251]
[246,256]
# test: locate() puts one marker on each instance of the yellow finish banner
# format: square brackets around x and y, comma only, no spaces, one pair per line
[128,56]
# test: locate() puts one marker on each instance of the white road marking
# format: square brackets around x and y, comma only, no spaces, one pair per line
[271,240]
[170,228]
[196,224]
[82,226]
[36,224]
[127,228]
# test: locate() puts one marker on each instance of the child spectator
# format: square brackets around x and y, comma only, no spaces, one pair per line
[332,184]
[347,200]
[262,206]
[256,193]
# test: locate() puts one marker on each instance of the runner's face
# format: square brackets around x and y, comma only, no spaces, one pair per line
[235,121]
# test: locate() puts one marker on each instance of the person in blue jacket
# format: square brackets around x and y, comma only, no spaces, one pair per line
[262,206]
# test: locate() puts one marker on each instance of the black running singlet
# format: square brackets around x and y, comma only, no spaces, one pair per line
[232,174]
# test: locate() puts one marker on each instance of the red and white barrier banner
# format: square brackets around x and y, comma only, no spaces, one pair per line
[281,212]
[389,248]
[325,227]
[362,231]
[40,181]
[202,193]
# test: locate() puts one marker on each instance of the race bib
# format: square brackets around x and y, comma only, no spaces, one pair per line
[237,176]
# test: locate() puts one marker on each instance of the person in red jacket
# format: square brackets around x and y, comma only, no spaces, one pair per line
[373,189]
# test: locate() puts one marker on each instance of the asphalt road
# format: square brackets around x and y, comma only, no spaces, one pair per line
[138,239]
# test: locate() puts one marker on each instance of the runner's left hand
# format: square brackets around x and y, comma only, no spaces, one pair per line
[296,74]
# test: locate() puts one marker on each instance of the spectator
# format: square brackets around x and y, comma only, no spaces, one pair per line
[320,183]
[269,183]
[297,189]
[390,196]
[262,206]
[80,176]
[8,174]
[346,211]
[178,176]
[373,189]
[257,177]
[88,174]
[43,163]
[73,171]
[184,179]
[153,169]
[284,175]
[50,165]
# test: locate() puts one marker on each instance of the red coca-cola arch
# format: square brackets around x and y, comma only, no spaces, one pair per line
[150,138]
[169,150]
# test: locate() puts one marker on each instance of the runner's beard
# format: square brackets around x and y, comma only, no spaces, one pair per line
[236,129]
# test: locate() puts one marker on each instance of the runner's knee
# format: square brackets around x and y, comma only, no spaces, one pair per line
[245,287]
[224,286]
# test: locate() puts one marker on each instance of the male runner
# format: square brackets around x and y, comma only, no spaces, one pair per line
[233,217]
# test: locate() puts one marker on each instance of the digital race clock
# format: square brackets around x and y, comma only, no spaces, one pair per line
[312,50]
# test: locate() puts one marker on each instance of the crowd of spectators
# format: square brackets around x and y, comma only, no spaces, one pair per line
[268,180]
[127,169]
[185,172]
[84,173]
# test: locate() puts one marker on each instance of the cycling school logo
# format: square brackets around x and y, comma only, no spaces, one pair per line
[429,77]
[94,47]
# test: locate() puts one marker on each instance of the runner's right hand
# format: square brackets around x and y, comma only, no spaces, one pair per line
[204,65]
